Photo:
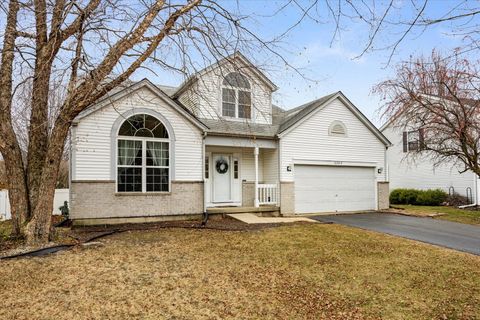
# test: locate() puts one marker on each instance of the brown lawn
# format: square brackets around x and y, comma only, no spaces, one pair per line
[299,271]
[468,216]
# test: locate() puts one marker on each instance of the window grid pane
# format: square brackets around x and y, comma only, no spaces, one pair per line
[413,140]
[207,167]
[236,79]
[228,95]
[228,109]
[143,125]
[235,169]
[244,97]
[244,111]
[157,154]
[129,153]
[129,179]
[157,179]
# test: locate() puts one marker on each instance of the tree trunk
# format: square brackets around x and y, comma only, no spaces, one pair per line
[38,228]
[17,186]
[38,130]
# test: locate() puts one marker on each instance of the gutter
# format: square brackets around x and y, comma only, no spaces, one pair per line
[242,135]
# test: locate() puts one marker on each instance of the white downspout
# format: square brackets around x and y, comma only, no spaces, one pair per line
[474,204]
[255,153]
[203,174]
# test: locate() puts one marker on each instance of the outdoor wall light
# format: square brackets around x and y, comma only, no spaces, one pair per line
[289,168]
[380,170]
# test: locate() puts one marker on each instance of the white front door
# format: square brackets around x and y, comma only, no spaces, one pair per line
[222,178]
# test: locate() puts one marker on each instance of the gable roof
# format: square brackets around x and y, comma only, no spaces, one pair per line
[468,101]
[292,116]
[299,114]
[126,90]
[227,60]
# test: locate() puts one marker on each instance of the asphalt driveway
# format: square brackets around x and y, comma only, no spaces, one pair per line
[447,234]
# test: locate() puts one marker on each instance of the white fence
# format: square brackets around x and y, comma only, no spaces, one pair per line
[61,195]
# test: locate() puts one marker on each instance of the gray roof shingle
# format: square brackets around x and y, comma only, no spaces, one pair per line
[293,115]
[224,127]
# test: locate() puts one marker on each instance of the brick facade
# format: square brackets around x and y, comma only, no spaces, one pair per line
[383,190]
[97,199]
[287,198]
[248,194]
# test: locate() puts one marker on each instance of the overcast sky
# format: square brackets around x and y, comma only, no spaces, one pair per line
[334,66]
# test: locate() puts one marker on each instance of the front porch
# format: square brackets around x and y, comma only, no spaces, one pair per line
[266,210]
[241,177]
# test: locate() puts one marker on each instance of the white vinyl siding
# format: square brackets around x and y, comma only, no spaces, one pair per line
[208,96]
[270,165]
[311,141]
[92,140]
[248,165]
[420,173]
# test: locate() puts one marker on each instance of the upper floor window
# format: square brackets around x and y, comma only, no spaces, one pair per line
[236,96]
[143,155]
[413,140]
[337,128]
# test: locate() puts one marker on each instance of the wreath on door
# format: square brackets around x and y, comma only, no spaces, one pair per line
[221,166]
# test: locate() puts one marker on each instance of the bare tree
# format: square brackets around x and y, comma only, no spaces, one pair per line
[441,97]
[391,23]
[88,48]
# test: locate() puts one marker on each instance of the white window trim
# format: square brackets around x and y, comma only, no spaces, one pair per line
[236,90]
[412,132]
[144,164]
[114,145]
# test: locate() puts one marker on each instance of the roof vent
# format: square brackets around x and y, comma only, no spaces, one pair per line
[337,128]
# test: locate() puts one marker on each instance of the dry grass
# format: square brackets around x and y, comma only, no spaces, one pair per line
[468,216]
[293,272]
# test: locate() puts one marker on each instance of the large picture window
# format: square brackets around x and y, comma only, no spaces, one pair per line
[143,155]
[236,96]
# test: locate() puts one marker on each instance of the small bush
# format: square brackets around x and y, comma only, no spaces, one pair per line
[431,197]
[456,200]
[418,197]
[403,196]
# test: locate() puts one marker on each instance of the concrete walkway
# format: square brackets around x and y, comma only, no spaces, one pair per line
[250,218]
[453,235]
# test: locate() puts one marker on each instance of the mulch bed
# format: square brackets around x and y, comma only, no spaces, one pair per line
[216,223]
[79,235]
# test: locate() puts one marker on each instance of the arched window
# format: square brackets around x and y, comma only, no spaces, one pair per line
[337,128]
[236,96]
[143,155]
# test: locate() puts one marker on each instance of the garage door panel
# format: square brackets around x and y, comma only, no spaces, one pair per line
[329,189]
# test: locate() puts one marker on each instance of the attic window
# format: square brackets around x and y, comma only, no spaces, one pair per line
[337,128]
[236,96]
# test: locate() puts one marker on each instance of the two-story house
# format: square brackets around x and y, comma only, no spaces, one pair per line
[149,152]
[420,171]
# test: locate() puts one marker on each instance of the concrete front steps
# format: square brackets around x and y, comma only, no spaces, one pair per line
[250,218]
[262,211]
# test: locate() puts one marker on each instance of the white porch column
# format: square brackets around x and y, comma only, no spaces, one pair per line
[255,153]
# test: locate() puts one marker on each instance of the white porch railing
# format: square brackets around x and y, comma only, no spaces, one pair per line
[268,194]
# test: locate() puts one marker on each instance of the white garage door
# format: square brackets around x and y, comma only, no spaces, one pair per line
[330,189]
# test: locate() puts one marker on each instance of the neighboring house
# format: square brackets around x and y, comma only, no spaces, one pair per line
[216,141]
[419,172]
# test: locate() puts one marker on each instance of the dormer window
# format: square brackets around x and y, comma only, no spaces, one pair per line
[236,96]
